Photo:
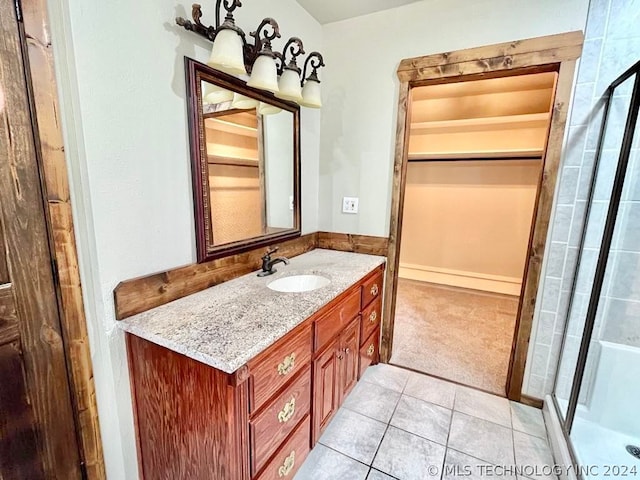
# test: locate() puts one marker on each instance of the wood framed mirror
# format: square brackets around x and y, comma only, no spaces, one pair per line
[245,161]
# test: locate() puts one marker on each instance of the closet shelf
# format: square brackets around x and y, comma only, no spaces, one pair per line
[230,127]
[532,120]
[477,155]
[233,161]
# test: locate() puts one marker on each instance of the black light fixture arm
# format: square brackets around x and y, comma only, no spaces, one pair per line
[315,61]
[267,31]
[294,47]
[196,26]
[229,6]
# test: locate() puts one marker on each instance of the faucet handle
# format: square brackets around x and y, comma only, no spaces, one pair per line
[270,251]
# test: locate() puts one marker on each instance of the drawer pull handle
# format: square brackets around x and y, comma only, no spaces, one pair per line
[374,289]
[288,465]
[373,316]
[287,411]
[287,364]
[370,350]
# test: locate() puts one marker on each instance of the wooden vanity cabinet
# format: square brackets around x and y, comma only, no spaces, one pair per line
[259,423]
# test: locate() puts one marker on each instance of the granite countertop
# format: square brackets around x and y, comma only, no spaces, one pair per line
[227,325]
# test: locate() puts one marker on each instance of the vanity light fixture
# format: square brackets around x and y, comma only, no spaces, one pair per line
[232,53]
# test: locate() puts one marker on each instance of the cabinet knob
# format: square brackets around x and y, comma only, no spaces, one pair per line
[347,351]
[287,411]
[370,350]
[374,289]
[288,465]
[373,316]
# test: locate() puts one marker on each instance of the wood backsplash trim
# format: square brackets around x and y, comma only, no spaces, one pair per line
[346,242]
[144,293]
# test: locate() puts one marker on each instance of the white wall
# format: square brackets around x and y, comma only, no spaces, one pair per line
[121,78]
[360,87]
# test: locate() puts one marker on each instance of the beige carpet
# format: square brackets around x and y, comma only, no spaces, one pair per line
[457,334]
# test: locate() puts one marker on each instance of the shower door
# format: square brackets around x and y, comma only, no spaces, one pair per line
[597,391]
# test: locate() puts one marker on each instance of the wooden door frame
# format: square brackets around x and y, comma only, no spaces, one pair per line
[39,72]
[550,53]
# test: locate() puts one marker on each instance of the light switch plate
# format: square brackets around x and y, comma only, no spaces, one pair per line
[350,205]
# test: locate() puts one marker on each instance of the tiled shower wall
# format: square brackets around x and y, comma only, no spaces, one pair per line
[612,44]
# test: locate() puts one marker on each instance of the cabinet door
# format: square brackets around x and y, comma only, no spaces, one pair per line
[325,384]
[348,358]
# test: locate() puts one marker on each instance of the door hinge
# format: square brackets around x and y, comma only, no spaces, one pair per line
[18,6]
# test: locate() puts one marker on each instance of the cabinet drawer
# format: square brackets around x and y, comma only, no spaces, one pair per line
[372,289]
[271,426]
[334,321]
[369,351]
[278,364]
[370,319]
[291,455]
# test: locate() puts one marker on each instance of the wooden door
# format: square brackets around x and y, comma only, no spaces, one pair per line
[348,355]
[325,394]
[37,430]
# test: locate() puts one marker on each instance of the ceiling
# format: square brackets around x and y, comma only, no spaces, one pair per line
[327,11]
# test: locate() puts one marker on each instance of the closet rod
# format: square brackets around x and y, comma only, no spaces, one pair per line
[470,159]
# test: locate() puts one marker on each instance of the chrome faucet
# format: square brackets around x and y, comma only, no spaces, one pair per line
[267,263]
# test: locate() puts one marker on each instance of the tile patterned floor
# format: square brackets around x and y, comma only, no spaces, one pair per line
[398,424]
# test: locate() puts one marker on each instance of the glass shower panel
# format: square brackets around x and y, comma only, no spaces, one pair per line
[606,426]
[590,248]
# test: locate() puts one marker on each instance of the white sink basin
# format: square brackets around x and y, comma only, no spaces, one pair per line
[299,283]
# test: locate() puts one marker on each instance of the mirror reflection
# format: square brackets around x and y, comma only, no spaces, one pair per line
[249,147]
[245,159]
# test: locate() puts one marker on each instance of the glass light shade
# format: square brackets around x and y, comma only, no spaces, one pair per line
[227,54]
[289,86]
[264,74]
[213,95]
[266,109]
[311,95]
[243,102]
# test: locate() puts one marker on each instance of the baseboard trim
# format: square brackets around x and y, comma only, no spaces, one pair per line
[460,278]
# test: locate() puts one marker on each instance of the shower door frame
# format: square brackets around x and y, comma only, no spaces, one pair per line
[557,53]
[566,421]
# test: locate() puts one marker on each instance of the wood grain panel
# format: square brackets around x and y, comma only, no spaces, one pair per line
[293,452]
[325,397]
[403,132]
[292,352]
[346,242]
[8,316]
[555,56]
[270,427]
[540,228]
[348,358]
[184,409]
[371,316]
[142,294]
[372,288]
[334,321]
[4,267]
[478,54]
[369,352]
[73,321]
[19,453]
[29,258]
